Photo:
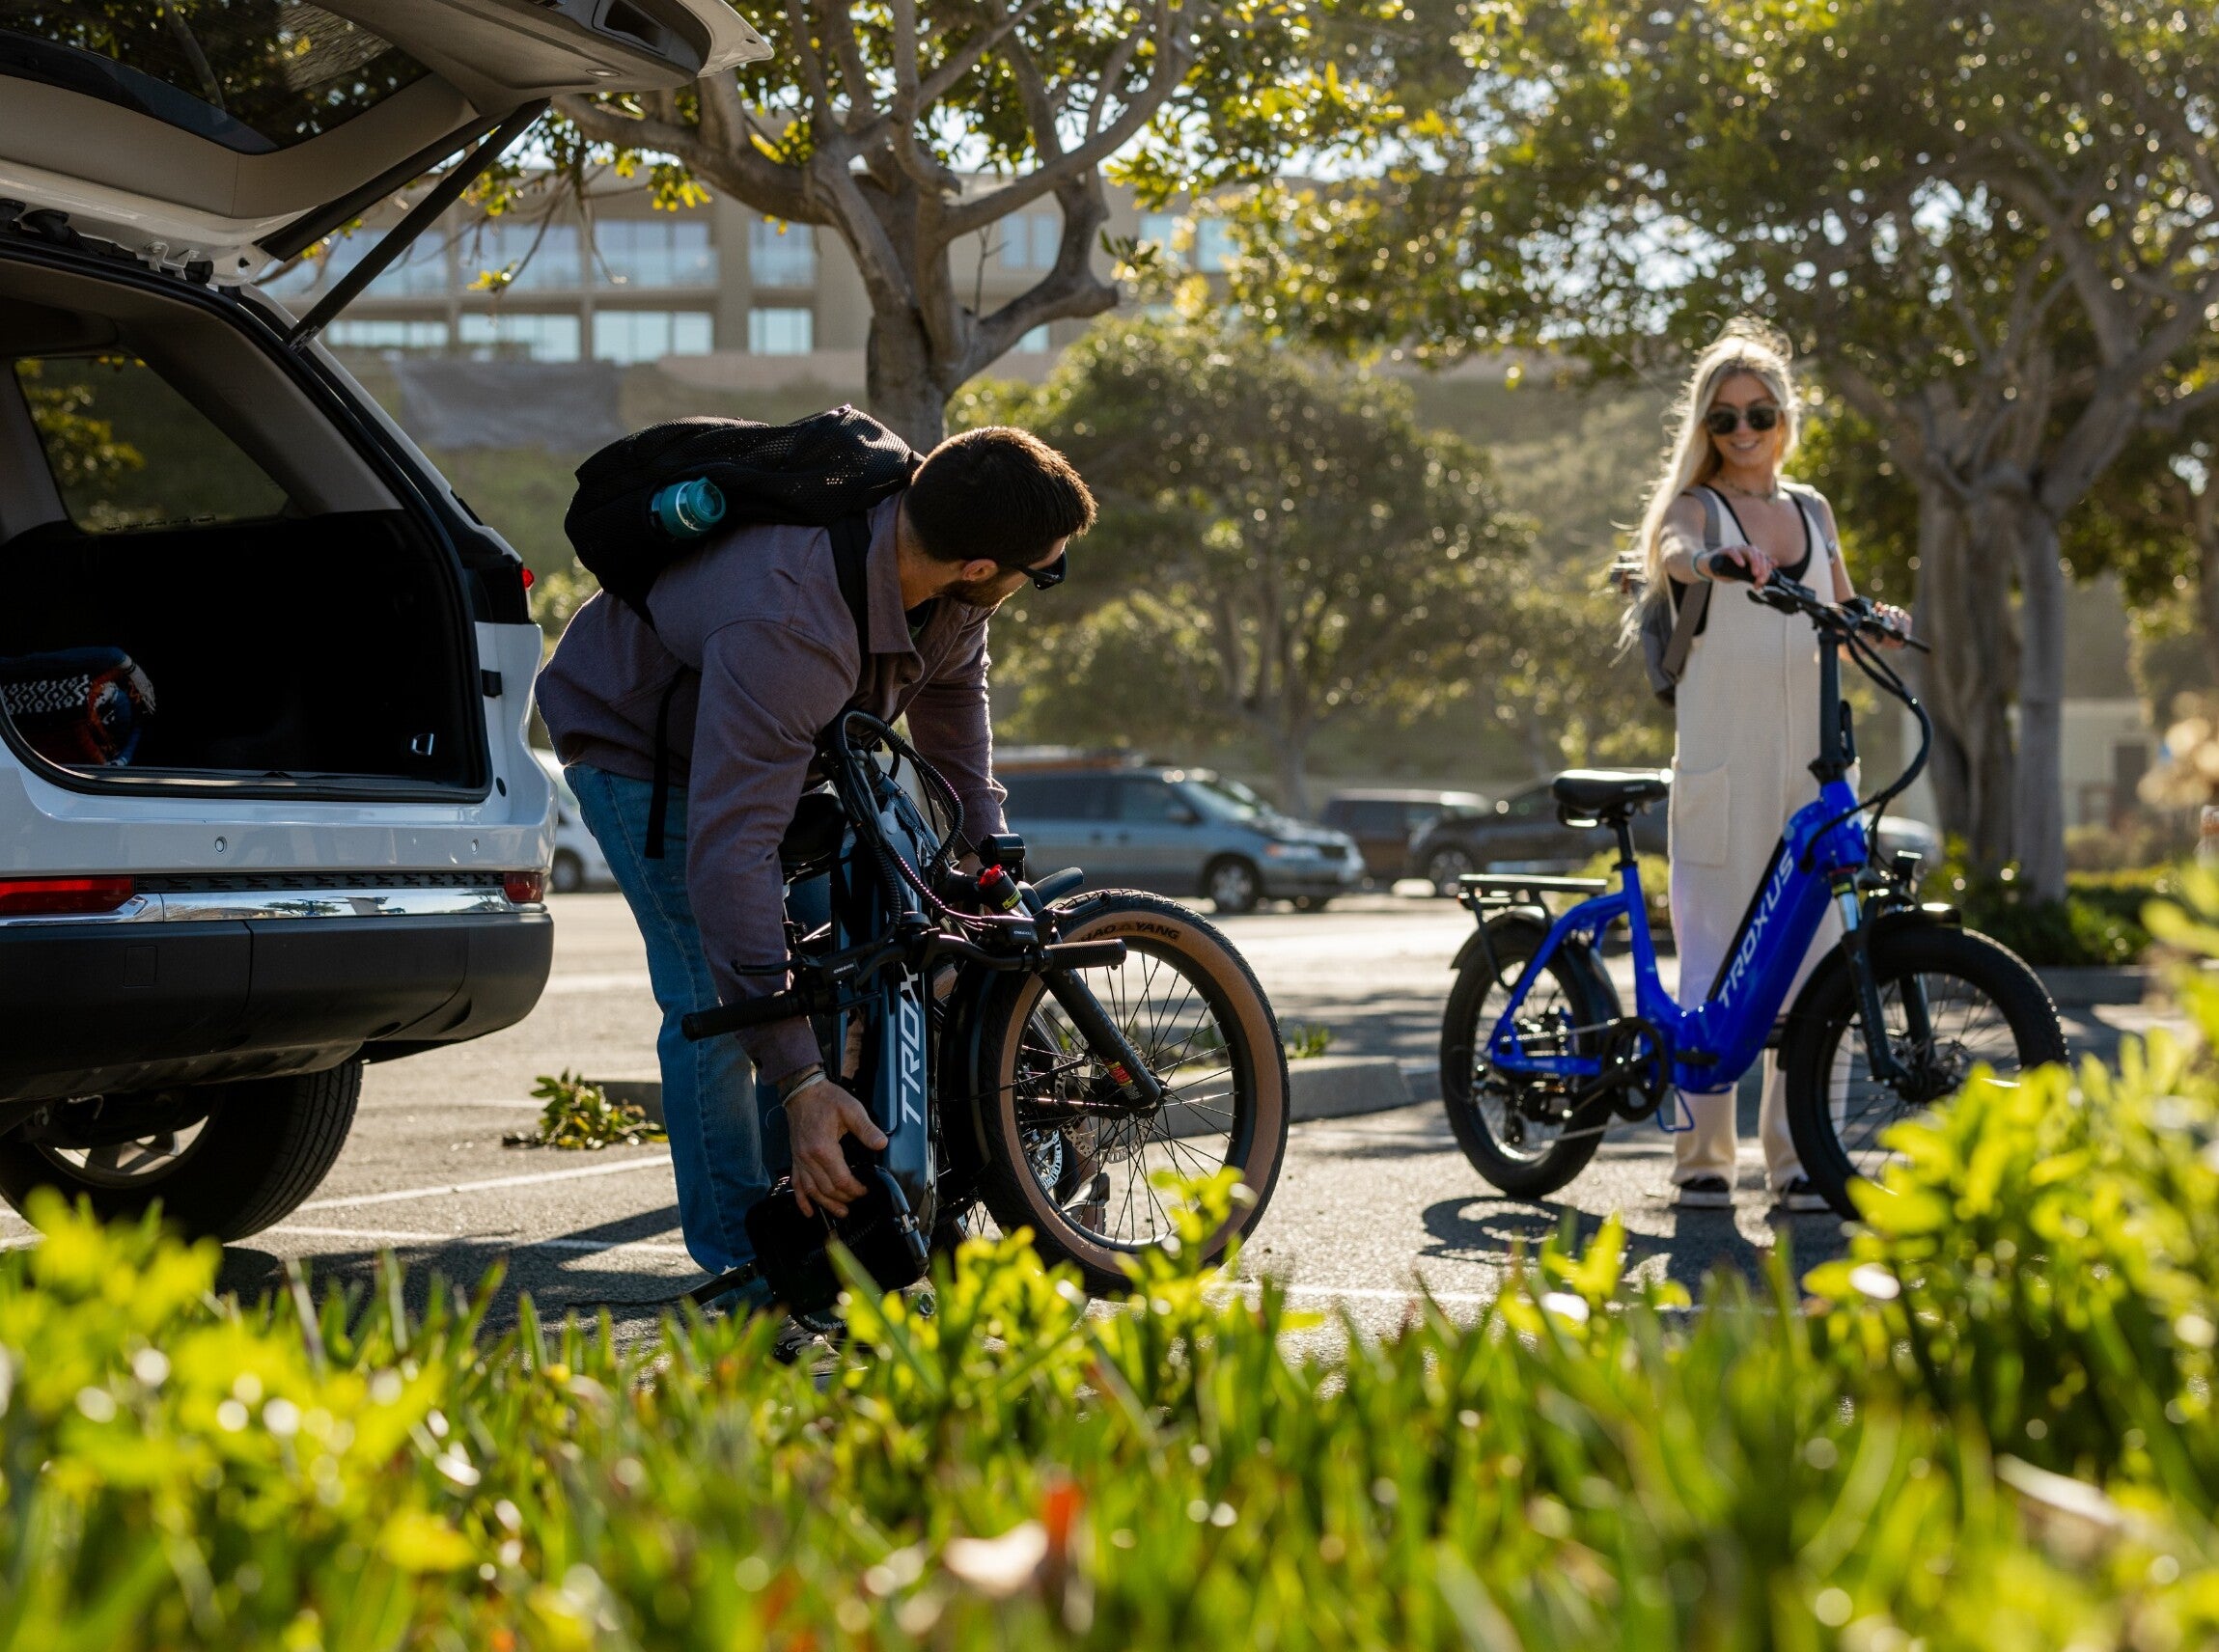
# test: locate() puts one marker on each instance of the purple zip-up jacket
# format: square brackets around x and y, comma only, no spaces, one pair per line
[758,615]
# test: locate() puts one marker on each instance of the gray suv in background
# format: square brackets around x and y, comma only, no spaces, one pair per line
[1179,832]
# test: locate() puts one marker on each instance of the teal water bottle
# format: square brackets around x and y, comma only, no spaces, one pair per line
[687,509]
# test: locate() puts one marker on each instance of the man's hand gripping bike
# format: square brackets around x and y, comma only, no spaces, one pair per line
[1041,1057]
[1539,1058]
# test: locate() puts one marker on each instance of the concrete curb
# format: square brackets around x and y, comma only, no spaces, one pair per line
[1321,1086]
[2084,989]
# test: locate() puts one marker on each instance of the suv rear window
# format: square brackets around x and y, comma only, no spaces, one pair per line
[128,452]
[1056,797]
[253,75]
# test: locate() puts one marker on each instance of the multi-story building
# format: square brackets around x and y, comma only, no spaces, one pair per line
[717,293]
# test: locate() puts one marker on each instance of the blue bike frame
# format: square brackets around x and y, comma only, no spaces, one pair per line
[1709,1047]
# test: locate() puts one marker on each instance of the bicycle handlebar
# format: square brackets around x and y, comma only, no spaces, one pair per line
[1858,615]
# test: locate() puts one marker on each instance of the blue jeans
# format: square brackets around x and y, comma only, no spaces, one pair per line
[727,1132]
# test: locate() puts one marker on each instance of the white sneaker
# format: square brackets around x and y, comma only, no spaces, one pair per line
[1801,1198]
[1704,1193]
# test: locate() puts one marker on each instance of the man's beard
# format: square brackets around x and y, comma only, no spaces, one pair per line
[986,593]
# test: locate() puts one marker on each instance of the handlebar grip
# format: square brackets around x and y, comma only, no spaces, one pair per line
[1086,954]
[1723,572]
[700,1024]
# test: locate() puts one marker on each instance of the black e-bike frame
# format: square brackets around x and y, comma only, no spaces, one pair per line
[867,981]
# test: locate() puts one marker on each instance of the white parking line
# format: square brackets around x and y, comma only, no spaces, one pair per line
[598,980]
[655,1161]
[392,1236]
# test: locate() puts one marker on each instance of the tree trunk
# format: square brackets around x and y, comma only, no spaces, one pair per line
[899,384]
[1964,614]
[2039,783]
[2206,523]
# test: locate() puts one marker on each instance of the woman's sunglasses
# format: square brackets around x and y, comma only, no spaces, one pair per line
[1725,421]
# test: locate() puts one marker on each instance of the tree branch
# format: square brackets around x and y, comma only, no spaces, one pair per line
[743,172]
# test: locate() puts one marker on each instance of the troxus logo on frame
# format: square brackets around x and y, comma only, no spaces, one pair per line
[1783,868]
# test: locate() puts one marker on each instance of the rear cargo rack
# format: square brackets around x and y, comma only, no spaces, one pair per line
[1476,890]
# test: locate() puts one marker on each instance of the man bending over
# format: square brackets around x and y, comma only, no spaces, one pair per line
[765,653]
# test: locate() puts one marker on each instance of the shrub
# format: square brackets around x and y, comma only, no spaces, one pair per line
[1990,1426]
[2099,922]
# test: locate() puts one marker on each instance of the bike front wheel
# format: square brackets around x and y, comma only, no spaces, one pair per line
[1951,1001]
[1083,1181]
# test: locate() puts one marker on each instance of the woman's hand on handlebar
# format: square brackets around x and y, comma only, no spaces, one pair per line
[1736,562]
[816,1117]
[1899,632]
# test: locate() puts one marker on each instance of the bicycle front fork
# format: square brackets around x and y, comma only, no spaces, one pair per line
[1857,951]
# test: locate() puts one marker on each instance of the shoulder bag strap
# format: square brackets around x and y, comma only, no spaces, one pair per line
[850,563]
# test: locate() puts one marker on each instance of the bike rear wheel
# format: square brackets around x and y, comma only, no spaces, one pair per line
[1571,1002]
[1083,1182]
[1978,1003]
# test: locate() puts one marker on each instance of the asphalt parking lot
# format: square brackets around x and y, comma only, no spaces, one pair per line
[1366,1206]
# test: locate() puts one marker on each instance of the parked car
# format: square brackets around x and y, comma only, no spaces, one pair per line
[578,862]
[267,805]
[1184,832]
[1518,832]
[1521,833]
[1383,823]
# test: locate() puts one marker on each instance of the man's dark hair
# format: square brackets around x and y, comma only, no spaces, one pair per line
[996,492]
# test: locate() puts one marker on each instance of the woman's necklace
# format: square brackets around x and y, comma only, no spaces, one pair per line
[1769,496]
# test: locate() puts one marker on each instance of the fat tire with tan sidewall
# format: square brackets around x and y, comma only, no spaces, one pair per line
[266,1145]
[1258,1145]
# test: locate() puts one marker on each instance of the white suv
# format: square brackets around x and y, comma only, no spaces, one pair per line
[267,810]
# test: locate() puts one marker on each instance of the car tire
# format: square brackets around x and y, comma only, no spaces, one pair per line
[262,1147]
[1232,884]
[1445,865]
[568,875]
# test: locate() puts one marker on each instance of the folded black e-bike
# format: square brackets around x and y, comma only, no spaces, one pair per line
[1045,1059]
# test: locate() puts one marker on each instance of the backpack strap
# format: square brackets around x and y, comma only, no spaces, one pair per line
[1696,604]
[850,565]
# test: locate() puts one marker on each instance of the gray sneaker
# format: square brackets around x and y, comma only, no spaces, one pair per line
[1704,1193]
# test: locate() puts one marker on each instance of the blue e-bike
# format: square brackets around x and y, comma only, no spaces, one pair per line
[1539,1058]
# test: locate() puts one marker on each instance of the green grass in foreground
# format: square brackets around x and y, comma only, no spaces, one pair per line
[1990,1426]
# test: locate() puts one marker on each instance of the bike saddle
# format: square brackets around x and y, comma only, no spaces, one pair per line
[1598,795]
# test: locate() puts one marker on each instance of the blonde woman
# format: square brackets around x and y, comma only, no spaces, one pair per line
[1746,704]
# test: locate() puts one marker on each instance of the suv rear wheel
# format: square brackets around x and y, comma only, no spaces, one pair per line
[224,1160]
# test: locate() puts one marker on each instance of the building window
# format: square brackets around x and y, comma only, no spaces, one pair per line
[649,335]
[420,271]
[1161,228]
[387,335]
[781,255]
[1212,245]
[553,267]
[1030,240]
[780,331]
[653,252]
[511,334]
[1034,342]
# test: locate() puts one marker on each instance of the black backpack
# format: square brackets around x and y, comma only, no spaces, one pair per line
[824,471]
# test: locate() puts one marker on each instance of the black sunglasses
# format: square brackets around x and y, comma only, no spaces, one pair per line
[1052,575]
[1725,421]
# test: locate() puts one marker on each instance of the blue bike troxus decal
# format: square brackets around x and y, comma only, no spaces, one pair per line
[1753,926]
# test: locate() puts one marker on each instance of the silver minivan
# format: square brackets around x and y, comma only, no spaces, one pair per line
[1181,832]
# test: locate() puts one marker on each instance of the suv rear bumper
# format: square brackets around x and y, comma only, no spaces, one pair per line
[89,1007]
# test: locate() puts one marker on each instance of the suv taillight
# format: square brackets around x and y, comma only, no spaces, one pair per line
[525,889]
[22,898]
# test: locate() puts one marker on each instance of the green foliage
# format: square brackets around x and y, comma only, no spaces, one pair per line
[580,1114]
[1280,545]
[1991,1427]
[1306,1040]
[2098,924]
